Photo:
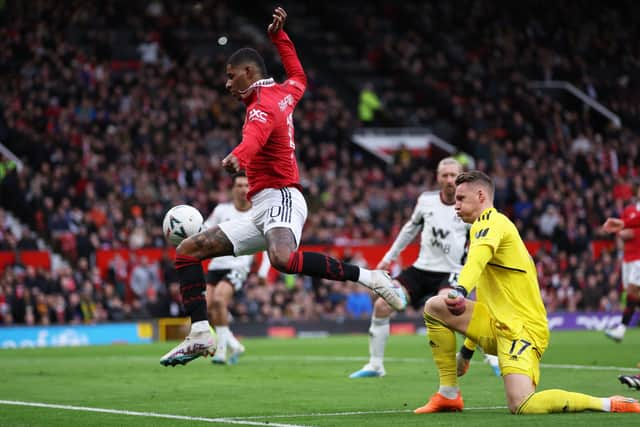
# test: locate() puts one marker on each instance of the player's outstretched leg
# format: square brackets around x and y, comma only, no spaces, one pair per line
[378,336]
[632,381]
[323,266]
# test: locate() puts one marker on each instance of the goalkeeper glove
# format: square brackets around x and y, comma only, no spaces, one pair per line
[463,358]
[456,302]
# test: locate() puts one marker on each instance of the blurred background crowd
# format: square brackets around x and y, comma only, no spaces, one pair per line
[118,111]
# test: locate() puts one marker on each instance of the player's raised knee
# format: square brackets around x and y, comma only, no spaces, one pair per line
[279,258]
[435,306]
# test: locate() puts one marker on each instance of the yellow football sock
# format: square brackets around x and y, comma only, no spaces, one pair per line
[442,341]
[549,401]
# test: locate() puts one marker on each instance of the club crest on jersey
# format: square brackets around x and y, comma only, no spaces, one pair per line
[285,102]
[258,115]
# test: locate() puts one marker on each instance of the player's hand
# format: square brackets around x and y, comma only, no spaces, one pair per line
[383,265]
[279,16]
[231,163]
[456,302]
[613,225]
[462,364]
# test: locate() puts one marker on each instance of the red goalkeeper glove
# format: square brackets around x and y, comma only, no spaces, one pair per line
[456,301]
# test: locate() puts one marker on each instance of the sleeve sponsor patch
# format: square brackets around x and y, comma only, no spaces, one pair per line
[256,114]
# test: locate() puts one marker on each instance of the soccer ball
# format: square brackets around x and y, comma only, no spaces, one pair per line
[180,222]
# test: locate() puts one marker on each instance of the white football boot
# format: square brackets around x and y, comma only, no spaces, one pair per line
[616,333]
[369,371]
[228,356]
[196,344]
[382,285]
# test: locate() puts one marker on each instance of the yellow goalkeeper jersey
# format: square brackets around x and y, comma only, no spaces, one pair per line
[500,267]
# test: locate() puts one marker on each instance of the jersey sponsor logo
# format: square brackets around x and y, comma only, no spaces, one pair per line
[285,102]
[437,241]
[439,232]
[482,233]
[258,115]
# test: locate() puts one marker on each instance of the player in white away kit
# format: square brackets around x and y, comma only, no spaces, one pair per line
[442,252]
[226,275]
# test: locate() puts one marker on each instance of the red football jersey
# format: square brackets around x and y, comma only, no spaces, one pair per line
[631,218]
[267,149]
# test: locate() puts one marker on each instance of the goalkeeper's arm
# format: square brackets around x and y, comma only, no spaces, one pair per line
[463,358]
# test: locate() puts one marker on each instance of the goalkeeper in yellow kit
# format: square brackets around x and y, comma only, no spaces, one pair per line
[508,319]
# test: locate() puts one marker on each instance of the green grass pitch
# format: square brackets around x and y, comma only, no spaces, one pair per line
[299,382]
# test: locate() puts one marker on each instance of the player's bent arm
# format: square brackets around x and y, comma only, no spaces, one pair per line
[477,259]
[254,135]
[408,232]
[290,60]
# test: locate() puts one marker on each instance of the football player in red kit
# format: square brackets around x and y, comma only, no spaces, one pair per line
[627,228]
[267,154]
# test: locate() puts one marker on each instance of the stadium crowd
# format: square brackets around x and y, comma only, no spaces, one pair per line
[115,126]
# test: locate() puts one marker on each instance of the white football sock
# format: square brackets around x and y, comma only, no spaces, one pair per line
[606,404]
[365,277]
[233,342]
[378,336]
[450,392]
[200,326]
[223,338]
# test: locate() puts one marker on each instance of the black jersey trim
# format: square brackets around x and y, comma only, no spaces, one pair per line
[506,268]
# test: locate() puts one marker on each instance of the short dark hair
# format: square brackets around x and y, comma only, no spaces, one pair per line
[476,176]
[248,55]
[237,175]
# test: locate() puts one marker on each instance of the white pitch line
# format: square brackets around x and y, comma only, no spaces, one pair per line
[339,414]
[238,421]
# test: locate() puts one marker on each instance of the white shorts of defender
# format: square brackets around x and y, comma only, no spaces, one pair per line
[284,207]
[631,273]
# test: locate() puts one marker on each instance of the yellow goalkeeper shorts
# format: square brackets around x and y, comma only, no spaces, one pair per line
[516,355]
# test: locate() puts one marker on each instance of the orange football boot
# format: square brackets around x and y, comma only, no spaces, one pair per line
[439,403]
[624,404]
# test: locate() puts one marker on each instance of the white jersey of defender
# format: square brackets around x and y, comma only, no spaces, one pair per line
[443,242]
[222,213]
